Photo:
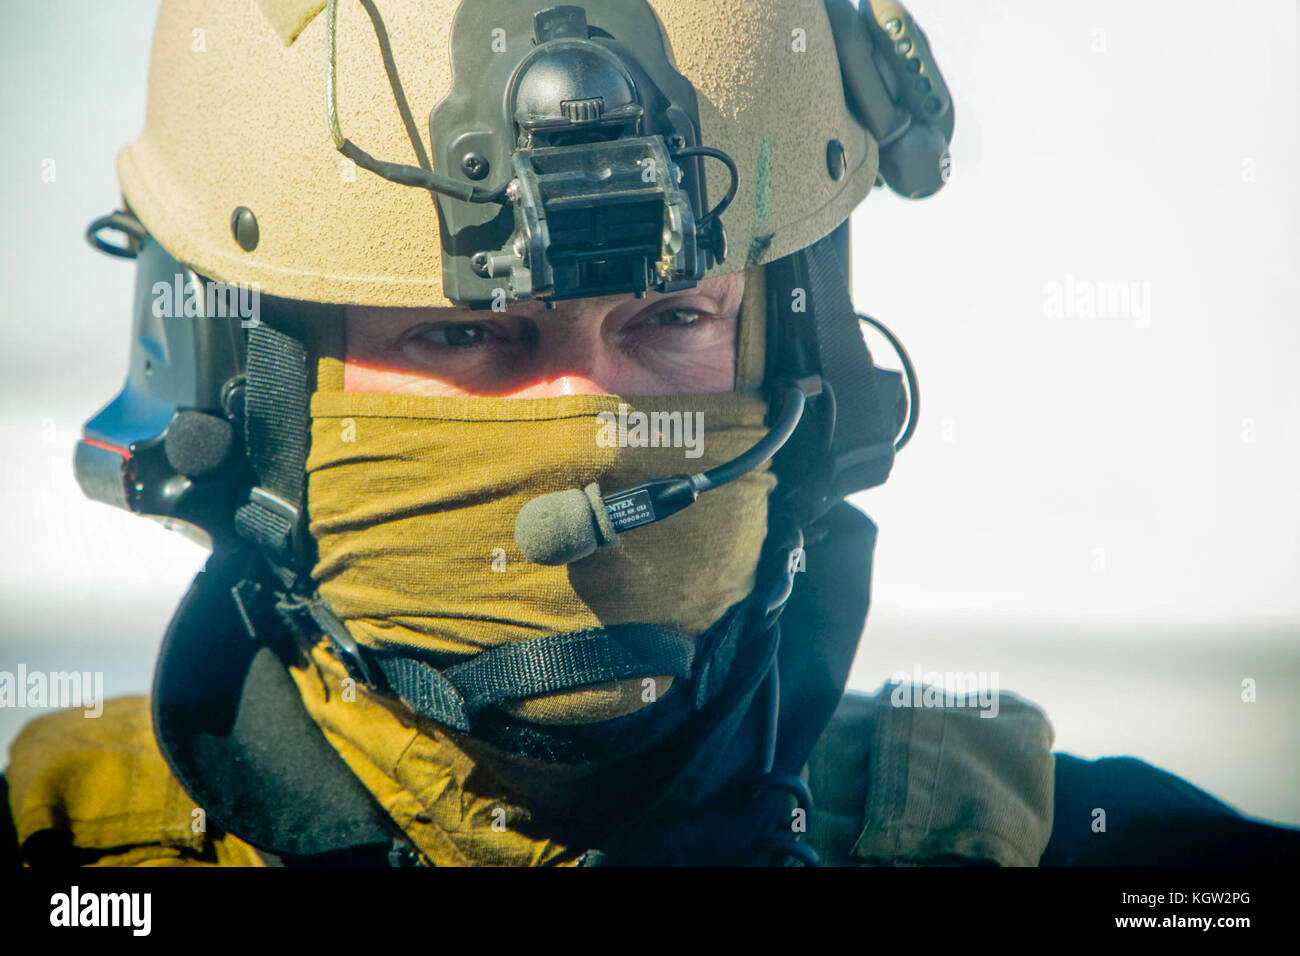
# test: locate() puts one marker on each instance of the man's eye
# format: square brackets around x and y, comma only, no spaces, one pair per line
[675,317]
[459,334]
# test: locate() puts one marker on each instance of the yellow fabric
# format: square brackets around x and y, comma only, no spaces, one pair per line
[413,498]
[102,784]
[441,799]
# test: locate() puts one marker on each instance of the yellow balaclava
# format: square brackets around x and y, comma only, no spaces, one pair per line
[412,504]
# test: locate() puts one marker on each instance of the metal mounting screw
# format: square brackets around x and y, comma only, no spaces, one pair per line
[243,226]
[836,162]
[475,165]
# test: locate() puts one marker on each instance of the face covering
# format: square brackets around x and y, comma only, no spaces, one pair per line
[412,503]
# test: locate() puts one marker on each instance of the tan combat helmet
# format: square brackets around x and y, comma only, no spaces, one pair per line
[236,173]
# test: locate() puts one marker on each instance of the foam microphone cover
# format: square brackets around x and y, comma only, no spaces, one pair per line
[197,444]
[558,528]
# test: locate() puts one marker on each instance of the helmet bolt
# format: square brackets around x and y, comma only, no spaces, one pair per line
[243,226]
[836,162]
[475,165]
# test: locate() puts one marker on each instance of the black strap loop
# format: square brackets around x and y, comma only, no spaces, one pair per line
[119,221]
[276,426]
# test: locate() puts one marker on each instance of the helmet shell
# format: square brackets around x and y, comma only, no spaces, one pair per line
[236,119]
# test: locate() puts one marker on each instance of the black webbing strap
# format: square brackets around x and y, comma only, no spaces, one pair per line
[542,665]
[454,696]
[547,664]
[276,432]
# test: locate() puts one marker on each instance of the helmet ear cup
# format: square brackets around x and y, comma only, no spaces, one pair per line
[847,441]
[168,446]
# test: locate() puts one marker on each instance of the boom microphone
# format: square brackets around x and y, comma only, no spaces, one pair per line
[567,526]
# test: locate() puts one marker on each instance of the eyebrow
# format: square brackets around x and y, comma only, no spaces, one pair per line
[407,317]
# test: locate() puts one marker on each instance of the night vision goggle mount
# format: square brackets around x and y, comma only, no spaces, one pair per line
[593,139]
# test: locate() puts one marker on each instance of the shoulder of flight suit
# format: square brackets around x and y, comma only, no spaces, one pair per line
[897,784]
[96,791]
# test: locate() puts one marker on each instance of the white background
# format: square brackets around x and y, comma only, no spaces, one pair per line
[1101,510]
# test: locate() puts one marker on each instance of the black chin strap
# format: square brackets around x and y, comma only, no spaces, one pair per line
[455,696]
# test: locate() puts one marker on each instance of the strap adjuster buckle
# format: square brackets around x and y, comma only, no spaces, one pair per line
[287,543]
[276,505]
